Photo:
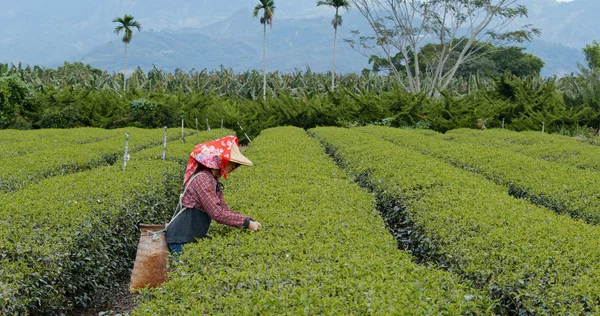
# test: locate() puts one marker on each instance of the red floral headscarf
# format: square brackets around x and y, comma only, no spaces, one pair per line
[213,155]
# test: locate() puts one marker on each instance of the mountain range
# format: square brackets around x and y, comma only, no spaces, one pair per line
[206,34]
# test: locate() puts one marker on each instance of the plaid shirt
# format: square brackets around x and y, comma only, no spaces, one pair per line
[202,194]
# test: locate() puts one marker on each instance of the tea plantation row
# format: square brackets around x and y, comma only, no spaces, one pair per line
[529,258]
[18,171]
[324,248]
[556,148]
[15,143]
[67,237]
[562,188]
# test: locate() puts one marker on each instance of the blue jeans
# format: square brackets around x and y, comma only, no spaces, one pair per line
[176,248]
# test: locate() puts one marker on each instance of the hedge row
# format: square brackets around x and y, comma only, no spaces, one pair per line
[562,188]
[18,171]
[65,238]
[555,148]
[323,250]
[531,259]
[15,143]
[13,135]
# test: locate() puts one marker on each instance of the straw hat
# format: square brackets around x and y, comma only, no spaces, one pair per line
[237,157]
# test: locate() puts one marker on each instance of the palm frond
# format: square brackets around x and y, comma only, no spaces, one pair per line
[137,25]
[256,10]
[268,7]
[126,24]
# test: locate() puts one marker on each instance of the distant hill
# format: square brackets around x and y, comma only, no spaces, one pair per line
[237,43]
[559,59]
[50,32]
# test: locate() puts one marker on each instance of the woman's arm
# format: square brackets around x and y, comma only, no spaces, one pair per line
[248,222]
[208,200]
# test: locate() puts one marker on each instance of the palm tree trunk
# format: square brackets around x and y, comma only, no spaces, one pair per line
[333,65]
[125,69]
[265,62]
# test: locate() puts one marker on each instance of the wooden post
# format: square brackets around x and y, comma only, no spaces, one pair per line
[502,123]
[207,126]
[126,155]
[164,153]
[221,123]
[196,116]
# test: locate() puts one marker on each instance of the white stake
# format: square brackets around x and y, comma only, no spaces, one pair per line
[182,130]
[207,126]
[248,137]
[543,126]
[196,126]
[164,153]
[502,123]
[126,155]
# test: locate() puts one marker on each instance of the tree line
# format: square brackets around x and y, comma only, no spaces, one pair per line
[423,45]
[127,23]
[462,80]
[76,95]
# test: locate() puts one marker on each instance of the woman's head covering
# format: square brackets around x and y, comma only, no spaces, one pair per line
[215,155]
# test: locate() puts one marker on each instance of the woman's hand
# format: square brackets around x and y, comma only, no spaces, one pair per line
[254,226]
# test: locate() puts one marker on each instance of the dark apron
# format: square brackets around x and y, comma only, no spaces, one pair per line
[191,224]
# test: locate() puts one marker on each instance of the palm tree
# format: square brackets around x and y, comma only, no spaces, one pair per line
[269,9]
[337,21]
[126,24]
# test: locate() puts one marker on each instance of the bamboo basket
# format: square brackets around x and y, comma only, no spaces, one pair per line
[150,266]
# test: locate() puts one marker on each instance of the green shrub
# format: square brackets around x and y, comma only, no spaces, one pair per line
[323,249]
[15,143]
[67,117]
[66,238]
[532,260]
[556,148]
[23,169]
[564,189]
[13,93]
[153,115]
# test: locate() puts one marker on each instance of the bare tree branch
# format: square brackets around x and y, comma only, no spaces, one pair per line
[454,27]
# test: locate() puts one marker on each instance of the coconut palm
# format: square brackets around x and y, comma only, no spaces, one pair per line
[126,24]
[268,7]
[337,21]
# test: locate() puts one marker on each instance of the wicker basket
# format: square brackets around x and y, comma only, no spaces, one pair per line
[150,267]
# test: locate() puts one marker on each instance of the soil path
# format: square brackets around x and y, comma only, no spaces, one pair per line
[119,301]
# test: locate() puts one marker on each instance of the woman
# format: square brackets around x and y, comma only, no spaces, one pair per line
[202,200]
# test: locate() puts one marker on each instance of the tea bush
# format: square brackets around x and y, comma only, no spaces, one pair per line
[323,249]
[15,143]
[65,238]
[562,188]
[16,172]
[531,259]
[556,148]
